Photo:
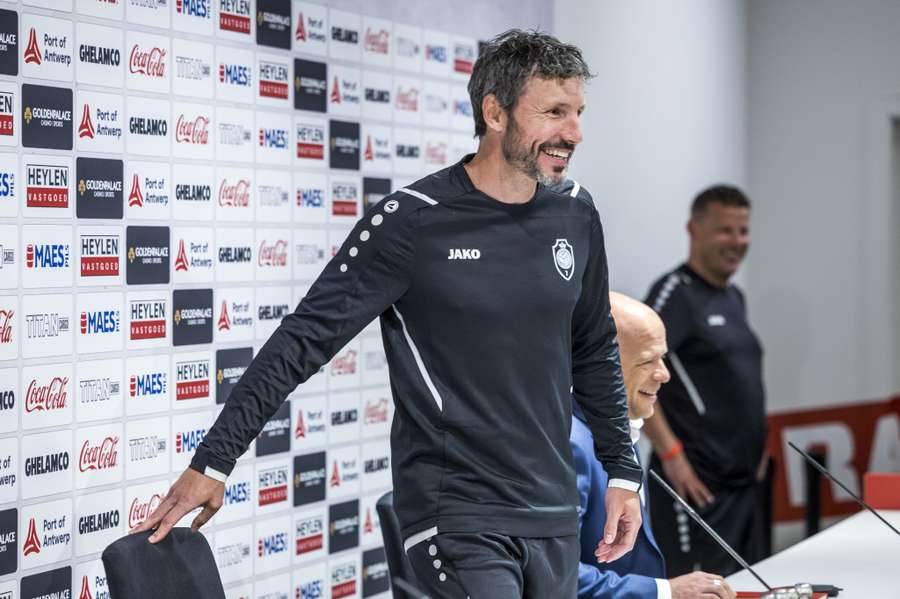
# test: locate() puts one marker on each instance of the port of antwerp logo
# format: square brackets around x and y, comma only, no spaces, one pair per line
[85,589]
[32,51]
[86,128]
[564,259]
[32,542]
[181,263]
[136,198]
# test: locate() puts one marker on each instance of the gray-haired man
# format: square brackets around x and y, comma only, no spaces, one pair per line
[493,296]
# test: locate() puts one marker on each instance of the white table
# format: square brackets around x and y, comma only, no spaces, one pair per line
[859,554]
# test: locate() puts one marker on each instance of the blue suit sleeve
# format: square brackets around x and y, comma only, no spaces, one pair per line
[594,583]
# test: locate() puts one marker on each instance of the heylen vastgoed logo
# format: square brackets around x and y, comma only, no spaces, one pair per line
[99,188]
[46,117]
[192,314]
[148,255]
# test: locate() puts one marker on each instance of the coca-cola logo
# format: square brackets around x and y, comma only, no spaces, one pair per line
[99,457]
[376,412]
[192,132]
[274,254]
[52,396]
[237,195]
[345,364]
[377,41]
[139,511]
[6,317]
[151,63]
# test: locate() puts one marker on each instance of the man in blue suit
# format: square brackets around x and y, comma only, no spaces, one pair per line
[641,573]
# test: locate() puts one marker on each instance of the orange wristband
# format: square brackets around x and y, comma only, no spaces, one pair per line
[676,449]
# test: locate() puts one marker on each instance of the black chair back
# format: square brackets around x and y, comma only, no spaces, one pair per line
[398,563]
[181,566]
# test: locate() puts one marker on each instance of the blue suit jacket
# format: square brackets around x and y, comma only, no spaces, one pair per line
[631,576]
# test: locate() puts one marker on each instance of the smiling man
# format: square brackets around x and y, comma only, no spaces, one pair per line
[641,573]
[492,291]
[709,430]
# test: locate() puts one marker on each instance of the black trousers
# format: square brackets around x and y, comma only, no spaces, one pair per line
[736,514]
[494,566]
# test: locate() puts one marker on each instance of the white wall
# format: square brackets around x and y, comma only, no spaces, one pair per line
[823,78]
[665,118]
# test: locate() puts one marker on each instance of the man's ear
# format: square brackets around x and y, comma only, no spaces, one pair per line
[494,114]
[691,227]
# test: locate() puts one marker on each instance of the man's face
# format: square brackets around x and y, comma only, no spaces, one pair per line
[544,127]
[720,238]
[643,369]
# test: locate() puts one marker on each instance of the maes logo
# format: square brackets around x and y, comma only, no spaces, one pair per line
[187,441]
[100,321]
[47,255]
[149,384]
[235,74]
[273,138]
[236,493]
[194,8]
[272,544]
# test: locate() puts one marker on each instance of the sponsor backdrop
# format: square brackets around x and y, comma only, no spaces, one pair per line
[173,175]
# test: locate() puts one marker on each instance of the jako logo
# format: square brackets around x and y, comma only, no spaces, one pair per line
[457,254]
[146,385]
[273,138]
[234,74]
[188,441]
[273,544]
[100,321]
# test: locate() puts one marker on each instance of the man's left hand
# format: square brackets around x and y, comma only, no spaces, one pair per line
[623,521]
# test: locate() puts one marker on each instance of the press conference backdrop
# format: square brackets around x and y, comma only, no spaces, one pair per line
[173,175]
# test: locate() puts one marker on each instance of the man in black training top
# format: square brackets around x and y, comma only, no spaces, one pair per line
[493,297]
[709,430]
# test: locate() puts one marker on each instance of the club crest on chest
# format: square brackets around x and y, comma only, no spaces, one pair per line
[564,259]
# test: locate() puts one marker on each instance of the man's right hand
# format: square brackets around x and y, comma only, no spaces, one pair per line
[685,481]
[191,490]
[700,584]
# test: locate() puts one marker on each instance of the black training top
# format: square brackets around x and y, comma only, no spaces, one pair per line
[490,313]
[715,402]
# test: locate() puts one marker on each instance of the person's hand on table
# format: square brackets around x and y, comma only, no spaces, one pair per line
[623,521]
[191,490]
[700,584]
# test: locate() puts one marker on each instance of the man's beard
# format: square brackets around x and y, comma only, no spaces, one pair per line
[525,159]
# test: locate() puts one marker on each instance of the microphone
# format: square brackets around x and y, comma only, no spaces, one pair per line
[825,471]
[708,529]
[798,590]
